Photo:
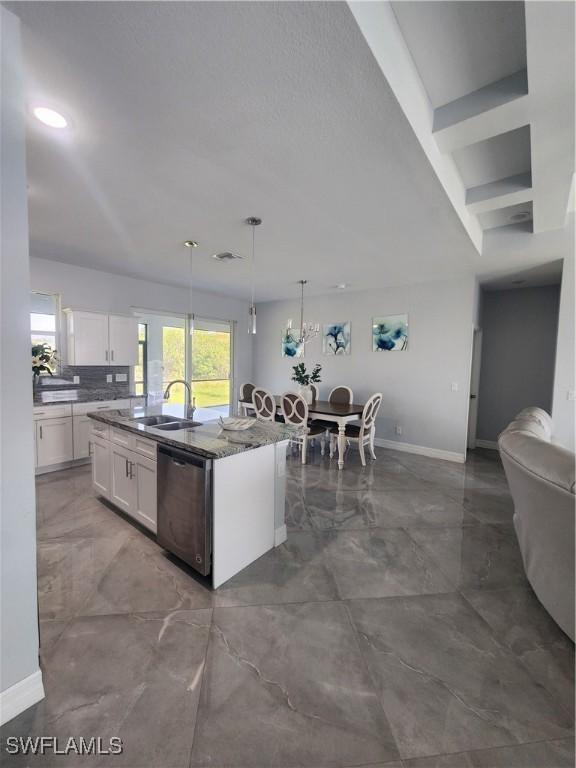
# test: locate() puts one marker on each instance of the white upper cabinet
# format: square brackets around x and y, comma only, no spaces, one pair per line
[98,339]
[123,334]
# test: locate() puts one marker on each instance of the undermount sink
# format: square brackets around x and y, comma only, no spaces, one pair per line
[181,424]
[153,421]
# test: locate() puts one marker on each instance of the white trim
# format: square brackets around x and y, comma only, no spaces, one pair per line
[421,450]
[280,535]
[20,696]
[491,444]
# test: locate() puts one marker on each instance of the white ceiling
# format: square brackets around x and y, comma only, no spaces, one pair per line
[506,154]
[188,117]
[479,43]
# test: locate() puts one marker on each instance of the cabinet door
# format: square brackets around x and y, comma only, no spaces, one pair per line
[88,338]
[123,340]
[81,428]
[144,473]
[122,491]
[100,466]
[54,441]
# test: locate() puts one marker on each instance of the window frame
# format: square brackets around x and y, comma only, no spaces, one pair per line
[57,327]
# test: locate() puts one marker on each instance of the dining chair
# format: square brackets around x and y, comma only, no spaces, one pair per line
[264,404]
[295,410]
[246,390]
[341,395]
[362,433]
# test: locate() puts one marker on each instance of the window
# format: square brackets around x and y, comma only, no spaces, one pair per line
[141,370]
[44,319]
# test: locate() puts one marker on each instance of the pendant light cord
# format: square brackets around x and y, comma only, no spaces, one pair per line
[252,270]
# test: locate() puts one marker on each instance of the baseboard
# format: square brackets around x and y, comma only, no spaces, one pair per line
[490,444]
[62,465]
[421,450]
[20,696]
[280,535]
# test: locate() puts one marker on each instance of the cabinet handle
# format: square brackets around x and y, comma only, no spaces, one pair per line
[112,354]
[89,448]
[131,470]
[106,353]
[40,432]
[126,460]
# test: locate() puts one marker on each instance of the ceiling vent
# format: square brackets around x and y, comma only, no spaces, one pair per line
[226,256]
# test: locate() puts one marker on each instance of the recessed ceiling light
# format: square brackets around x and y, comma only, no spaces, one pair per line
[50,117]
[226,256]
[341,286]
[191,244]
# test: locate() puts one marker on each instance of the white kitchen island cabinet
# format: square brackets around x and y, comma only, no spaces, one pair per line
[216,499]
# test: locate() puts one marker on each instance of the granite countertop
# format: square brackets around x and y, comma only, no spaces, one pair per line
[208,439]
[61,396]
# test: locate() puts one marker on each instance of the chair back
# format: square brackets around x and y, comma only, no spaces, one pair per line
[315,391]
[341,396]
[246,390]
[294,408]
[370,410]
[264,404]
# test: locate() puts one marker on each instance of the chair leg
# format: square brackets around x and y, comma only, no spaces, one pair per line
[304,446]
[361,450]
[372,451]
[322,445]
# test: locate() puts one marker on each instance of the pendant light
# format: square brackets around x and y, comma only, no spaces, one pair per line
[308,331]
[253,221]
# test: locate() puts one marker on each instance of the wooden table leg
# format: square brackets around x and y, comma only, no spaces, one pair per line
[341,444]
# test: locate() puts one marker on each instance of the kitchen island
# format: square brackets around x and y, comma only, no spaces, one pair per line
[214,497]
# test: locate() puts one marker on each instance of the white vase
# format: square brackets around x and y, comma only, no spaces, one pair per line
[307,394]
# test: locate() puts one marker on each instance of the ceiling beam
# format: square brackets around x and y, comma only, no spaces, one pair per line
[499,194]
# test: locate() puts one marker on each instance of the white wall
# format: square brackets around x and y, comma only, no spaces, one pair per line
[564,378]
[519,330]
[416,384]
[89,289]
[20,679]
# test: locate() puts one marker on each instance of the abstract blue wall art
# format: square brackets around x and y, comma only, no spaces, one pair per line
[390,333]
[291,347]
[336,339]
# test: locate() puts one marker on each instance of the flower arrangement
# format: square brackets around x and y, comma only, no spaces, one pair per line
[43,359]
[303,378]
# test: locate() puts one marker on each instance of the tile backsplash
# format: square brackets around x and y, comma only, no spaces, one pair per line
[92,377]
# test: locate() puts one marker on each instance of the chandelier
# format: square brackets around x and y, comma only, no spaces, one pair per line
[308,331]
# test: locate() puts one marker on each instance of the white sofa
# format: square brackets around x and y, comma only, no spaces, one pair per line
[542,483]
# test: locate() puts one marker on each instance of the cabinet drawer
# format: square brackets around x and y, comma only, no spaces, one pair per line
[122,437]
[99,405]
[98,429]
[52,411]
[145,447]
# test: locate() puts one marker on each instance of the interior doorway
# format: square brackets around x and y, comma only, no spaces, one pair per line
[474,388]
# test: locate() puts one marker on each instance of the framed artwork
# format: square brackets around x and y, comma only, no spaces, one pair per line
[291,347]
[390,333]
[336,339]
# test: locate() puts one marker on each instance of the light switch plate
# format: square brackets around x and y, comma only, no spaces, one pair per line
[455,386]
[76,380]
[121,377]
[109,378]
[571,395]
[398,429]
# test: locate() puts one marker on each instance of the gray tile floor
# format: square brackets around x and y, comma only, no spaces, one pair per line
[394,628]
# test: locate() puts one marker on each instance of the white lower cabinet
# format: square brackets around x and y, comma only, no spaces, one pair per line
[131,480]
[81,433]
[100,465]
[54,442]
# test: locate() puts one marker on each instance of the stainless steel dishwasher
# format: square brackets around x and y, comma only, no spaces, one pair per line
[185,506]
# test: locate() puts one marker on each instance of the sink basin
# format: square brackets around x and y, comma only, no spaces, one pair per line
[183,424]
[153,421]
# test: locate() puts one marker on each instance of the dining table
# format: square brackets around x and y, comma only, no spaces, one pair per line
[339,413]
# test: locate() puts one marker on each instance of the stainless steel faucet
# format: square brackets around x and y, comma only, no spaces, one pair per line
[190,402]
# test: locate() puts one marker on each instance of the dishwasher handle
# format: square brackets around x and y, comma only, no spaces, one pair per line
[183,458]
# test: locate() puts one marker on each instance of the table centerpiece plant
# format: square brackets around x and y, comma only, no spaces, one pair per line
[304,379]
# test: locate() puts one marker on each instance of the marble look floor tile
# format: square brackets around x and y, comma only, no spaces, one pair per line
[378,475]
[286,685]
[297,571]
[90,519]
[445,683]
[476,556]
[488,505]
[142,577]
[64,491]
[542,754]
[143,689]
[50,633]
[382,563]
[69,571]
[519,621]
[447,474]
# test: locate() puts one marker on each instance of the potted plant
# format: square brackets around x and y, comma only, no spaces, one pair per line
[43,360]
[304,379]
